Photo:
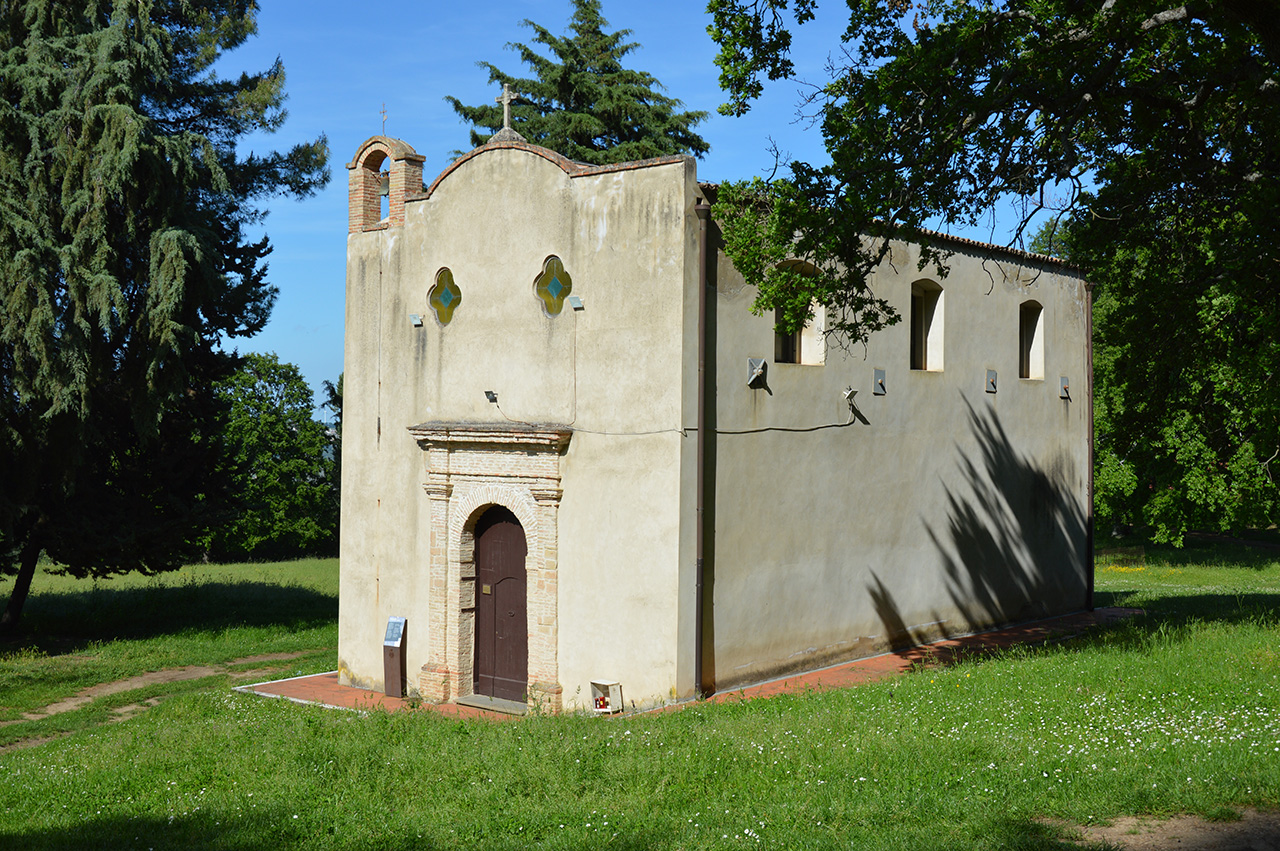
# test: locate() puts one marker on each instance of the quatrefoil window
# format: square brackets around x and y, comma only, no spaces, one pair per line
[444,297]
[553,285]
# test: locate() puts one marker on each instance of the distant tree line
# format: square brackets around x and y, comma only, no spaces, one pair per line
[283,465]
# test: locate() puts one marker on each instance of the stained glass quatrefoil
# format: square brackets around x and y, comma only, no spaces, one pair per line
[553,285]
[444,297]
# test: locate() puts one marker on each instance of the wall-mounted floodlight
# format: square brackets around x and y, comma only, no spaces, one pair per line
[491,396]
[854,414]
[877,388]
[415,320]
[757,373]
[1064,388]
[575,302]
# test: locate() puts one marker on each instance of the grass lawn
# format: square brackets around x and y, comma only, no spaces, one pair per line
[81,633]
[1176,711]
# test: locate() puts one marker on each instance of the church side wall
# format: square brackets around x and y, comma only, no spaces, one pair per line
[610,371]
[948,510]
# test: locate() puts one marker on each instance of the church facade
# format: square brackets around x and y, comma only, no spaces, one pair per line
[539,478]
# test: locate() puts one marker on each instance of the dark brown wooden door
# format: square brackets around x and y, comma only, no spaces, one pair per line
[502,629]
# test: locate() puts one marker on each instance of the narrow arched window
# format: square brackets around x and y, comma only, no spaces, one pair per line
[1030,340]
[786,346]
[807,345]
[926,325]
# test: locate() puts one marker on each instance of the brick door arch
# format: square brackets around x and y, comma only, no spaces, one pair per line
[470,468]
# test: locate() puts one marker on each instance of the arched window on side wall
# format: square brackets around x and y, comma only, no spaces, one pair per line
[809,344]
[926,325]
[1030,340]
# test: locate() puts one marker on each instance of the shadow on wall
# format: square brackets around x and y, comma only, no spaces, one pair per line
[1013,546]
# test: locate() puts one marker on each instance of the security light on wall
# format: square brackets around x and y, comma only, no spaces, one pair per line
[575,302]
[854,414]
[491,396]
[415,320]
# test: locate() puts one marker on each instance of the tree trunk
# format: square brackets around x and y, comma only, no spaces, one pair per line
[26,570]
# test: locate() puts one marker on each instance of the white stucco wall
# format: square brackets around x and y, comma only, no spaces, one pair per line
[951,510]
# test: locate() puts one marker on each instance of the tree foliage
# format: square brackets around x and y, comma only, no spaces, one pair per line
[282,466]
[582,102]
[124,263]
[333,404]
[1152,129]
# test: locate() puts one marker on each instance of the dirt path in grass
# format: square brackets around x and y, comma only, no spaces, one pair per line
[166,675]
[1256,830]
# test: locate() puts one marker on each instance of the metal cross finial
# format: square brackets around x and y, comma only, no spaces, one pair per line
[384,118]
[506,100]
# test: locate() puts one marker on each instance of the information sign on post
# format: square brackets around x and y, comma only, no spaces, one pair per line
[395,632]
[393,657]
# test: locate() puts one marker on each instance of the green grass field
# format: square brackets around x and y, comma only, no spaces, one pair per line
[1176,711]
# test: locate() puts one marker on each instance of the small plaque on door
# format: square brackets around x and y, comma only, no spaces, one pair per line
[485,589]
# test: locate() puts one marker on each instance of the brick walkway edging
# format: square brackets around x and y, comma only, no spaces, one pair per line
[945,651]
[325,690]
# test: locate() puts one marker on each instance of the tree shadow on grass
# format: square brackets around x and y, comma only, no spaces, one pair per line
[1183,614]
[273,827]
[1014,834]
[1011,834]
[262,828]
[63,620]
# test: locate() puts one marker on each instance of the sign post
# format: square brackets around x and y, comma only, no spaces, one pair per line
[393,658]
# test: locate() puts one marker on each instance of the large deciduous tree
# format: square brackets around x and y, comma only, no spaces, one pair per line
[1153,128]
[124,263]
[282,466]
[583,103]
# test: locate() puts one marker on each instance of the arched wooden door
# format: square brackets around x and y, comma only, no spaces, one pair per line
[502,629]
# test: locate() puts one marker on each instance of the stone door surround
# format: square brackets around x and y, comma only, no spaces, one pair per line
[470,467]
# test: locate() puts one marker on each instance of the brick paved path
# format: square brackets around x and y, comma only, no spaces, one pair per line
[324,689]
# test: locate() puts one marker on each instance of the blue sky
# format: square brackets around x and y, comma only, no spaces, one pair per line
[343,61]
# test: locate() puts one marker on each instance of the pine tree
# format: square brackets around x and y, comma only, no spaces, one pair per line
[583,103]
[124,265]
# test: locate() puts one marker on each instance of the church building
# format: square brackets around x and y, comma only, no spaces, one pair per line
[573,457]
